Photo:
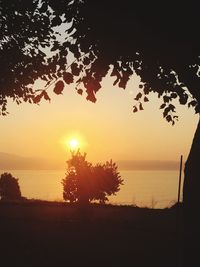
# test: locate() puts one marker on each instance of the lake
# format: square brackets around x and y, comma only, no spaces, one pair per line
[149,188]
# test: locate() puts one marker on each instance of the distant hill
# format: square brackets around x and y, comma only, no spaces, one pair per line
[147,165]
[16,162]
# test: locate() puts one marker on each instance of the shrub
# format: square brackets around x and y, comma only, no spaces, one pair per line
[9,187]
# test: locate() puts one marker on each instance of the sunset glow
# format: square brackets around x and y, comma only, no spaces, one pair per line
[97,129]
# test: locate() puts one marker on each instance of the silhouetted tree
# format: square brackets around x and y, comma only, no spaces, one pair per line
[9,187]
[85,182]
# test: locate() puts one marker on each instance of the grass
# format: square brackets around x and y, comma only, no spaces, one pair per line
[42,233]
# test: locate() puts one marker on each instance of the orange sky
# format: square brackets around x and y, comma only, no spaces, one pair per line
[107,129]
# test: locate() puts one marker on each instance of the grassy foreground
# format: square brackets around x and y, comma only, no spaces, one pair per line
[58,234]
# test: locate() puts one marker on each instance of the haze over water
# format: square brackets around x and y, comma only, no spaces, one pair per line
[150,188]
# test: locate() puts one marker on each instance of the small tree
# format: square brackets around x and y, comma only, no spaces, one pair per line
[9,187]
[84,182]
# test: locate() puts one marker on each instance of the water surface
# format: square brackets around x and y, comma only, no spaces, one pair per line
[156,189]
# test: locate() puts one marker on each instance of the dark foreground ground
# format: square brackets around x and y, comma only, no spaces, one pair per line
[55,234]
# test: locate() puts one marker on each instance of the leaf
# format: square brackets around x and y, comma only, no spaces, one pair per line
[168,118]
[75,69]
[70,30]
[135,109]
[141,107]
[116,81]
[86,61]
[56,21]
[44,78]
[166,99]
[197,108]
[171,107]
[43,8]
[114,72]
[68,77]
[166,111]
[91,56]
[146,89]
[75,50]
[163,106]
[192,103]
[46,97]
[55,46]
[91,97]
[138,96]
[37,99]
[59,86]
[80,91]
[183,99]
[54,76]
[173,95]
[92,85]
[124,79]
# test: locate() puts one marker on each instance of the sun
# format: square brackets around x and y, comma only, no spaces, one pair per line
[73,144]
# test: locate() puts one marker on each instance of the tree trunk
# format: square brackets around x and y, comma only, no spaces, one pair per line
[191,203]
[191,187]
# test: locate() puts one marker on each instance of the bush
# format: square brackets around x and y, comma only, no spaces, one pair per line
[84,182]
[9,187]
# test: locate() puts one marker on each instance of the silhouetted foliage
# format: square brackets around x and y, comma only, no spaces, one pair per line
[136,37]
[9,187]
[29,49]
[84,182]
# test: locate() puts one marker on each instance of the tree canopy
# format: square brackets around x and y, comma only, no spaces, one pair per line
[27,36]
[157,41]
[85,182]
